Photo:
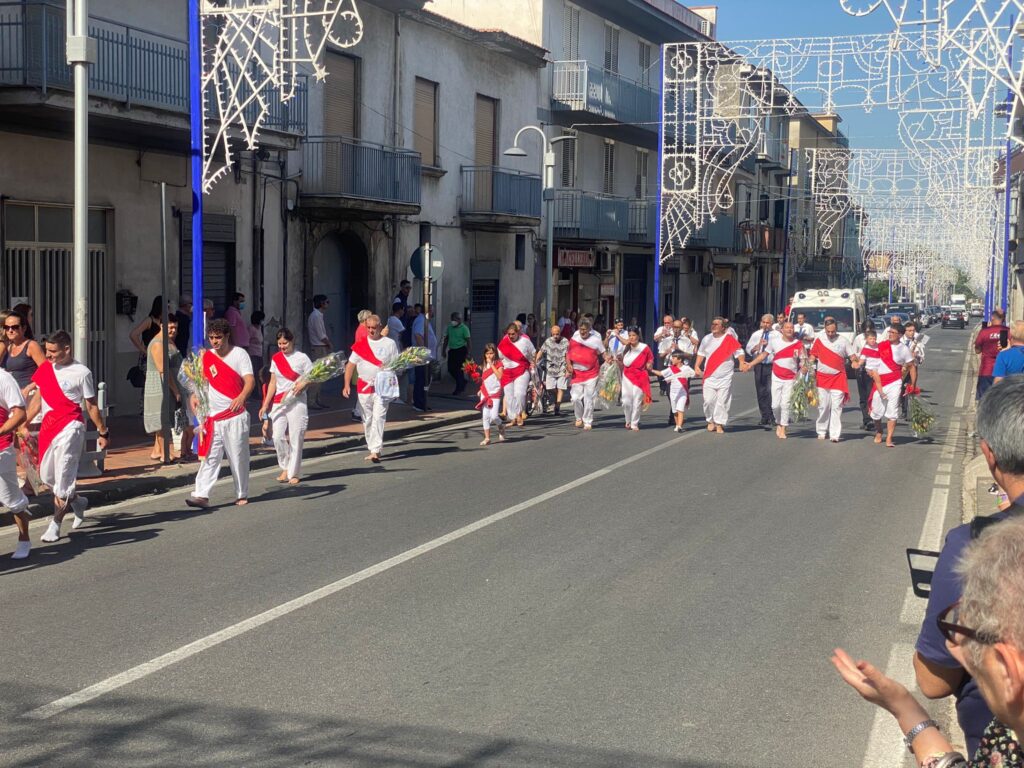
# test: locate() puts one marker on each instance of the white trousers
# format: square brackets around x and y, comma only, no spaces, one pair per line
[679,400]
[290,425]
[59,467]
[491,414]
[632,402]
[230,438]
[782,393]
[11,495]
[515,396]
[375,416]
[830,413]
[717,400]
[583,395]
[887,404]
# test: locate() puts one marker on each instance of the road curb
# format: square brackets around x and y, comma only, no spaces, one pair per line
[974,467]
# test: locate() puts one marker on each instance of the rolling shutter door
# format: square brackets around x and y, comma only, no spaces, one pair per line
[218,258]
[424,138]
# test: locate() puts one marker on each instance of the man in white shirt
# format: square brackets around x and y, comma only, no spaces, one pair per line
[757,344]
[369,358]
[885,363]
[65,387]
[831,351]
[715,363]
[804,330]
[863,380]
[785,352]
[395,325]
[319,340]
[12,416]
[617,337]
[422,336]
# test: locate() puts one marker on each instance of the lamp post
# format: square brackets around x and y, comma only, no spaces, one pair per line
[549,200]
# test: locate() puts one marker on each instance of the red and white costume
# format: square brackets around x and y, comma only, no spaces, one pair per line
[584,358]
[11,495]
[718,354]
[63,389]
[370,356]
[490,397]
[678,378]
[225,432]
[289,421]
[833,391]
[785,357]
[636,382]
[515,360]
[888,361]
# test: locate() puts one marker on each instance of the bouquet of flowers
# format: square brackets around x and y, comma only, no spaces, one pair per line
[326,368]
[921,417]
[192,376]
[805,393]
[609,385]
[472,370]
[410,357]
[28,447]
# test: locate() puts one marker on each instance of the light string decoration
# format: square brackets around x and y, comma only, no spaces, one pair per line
[259,51]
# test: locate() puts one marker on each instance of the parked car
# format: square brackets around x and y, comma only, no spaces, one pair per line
[881,323]
[936,313]
[908,308]
[954,316]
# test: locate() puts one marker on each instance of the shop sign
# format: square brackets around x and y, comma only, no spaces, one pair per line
[607,289]
[581,259]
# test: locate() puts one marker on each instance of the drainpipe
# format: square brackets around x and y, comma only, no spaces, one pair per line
[283,201]
[396,140]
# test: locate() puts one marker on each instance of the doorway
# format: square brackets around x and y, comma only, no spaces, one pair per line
[341,273]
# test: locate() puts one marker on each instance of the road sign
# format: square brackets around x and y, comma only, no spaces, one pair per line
[436,263]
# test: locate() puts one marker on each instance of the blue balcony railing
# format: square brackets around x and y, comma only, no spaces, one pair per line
[720,233]
[578,86]
[643,220]
[488,190]
[337,166]
[133,66]
[587,216]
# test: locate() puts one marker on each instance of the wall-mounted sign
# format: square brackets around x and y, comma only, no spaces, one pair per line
[607,289]
[580,258]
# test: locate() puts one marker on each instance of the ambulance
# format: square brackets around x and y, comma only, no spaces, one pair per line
[846,305]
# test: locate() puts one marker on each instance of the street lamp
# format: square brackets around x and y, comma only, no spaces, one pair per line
[548,197]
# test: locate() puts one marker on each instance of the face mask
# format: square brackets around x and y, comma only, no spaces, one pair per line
[241,305]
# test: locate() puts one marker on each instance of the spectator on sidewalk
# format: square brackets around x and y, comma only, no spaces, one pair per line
[239,328]
[396,327]
[256,346]
[208,312]
[25,310]
[319,341]
[402,297]
[147,327]
[456,348]
[987,345]
[1010,361]
[554,350]
[184,317]
[157,413]
[423,336]
[22,356]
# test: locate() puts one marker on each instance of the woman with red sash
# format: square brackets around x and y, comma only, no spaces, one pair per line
[584,358]
[229,382]
[884,365]
[831,351]
[12,415]
[490,394]
[289,419]
[516,352]
[637,362]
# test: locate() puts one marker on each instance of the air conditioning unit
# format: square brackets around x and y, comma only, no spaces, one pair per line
[604,261]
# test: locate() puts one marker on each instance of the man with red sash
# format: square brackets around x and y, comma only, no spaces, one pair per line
[884,364]
[831,351]
[517,353]
[714,363]
[368,358]
[229,382]
[637,363]
[585,352]
[12,415]
[65,386]
[289,419]
[784,351]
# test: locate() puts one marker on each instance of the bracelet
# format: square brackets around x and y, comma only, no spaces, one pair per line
[912,734]
[104,435]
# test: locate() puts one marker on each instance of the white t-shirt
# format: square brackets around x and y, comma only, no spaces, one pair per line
[859,342]
[804,332]
[529,352]
[840,346]
[617,340]
[776,345]
[299,362]
[75,382]
[10,395]
[663,336]
[708,345]
[632,354]
[676,379]
[754,343]
[492,384]
[315,328]
[239,360]
[384,349]
[900,356]
[429,338]
[395,329]
[593,341]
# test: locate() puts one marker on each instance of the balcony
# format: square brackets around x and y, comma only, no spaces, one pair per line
[587,216]
[773,154]
[499,199]
[760,238]
[643,220]
[140,77]
[616,107]
[719,234]
[363,180]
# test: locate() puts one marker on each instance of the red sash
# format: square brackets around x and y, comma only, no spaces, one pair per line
[228,382]
[884,353]
[685,382]
[780,371]
[62,410]
[637,373]
[836,381]
[6,441]
[285,369]
[725,351]
[486,399]
[513,353]
[365,351]
[583,355]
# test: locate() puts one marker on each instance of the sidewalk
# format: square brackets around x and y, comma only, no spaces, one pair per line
[129,471]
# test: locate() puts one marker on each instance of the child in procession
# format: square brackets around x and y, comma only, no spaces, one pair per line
[678,374]
[490,394]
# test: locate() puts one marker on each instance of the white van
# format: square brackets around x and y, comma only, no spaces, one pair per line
[846,305]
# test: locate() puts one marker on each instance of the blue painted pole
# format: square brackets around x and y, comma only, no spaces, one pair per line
[658,243]
[195,74]
[1004,294]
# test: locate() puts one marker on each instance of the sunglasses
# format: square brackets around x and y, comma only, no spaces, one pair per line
[954,631]
[12,327]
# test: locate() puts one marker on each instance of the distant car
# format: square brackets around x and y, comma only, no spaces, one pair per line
[880,323]
[954,316]
[903,317]
[908,308]
[977,311]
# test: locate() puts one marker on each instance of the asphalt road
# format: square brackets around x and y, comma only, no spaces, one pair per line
[675,606]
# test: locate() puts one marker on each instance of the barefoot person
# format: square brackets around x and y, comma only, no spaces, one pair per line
[637,363]
[369,357]
[885,363]
[714,363]
[64,387]
[677,376]
[290,419]
[12,416]
[831,351]
[490,394]
[516,352]
[230,381]
[784,350]
[585,351]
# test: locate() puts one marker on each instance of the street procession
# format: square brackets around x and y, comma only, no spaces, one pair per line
[423,383]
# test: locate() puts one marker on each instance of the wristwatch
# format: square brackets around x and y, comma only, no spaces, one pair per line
[912,734]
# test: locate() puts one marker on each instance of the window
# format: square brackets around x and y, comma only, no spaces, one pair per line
[642,166]
[486,131]
[341,96]
[567,160]
[645,64]
[608,186]
[521,252]
[611,48]
[571,33]
[424,138]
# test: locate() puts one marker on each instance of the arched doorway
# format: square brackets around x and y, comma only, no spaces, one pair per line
[341,273]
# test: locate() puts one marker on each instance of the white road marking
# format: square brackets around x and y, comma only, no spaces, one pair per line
[935,520]
[913,608]
[942,480]
[963,382]
[885,742]
[205,643]
[944,468]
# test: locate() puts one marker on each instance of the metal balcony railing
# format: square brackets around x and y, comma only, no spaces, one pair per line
[761,238]
[587,216]
[643,220]
[489,190]
[720,233]
[133,66]
[578,86]
[337,166]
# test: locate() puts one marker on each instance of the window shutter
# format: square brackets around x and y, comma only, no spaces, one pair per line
[424,138]
[611,48]
[486,133]
[568,160]
[571,33]
[609,167]
[642,160]
[341,96]
[645,64]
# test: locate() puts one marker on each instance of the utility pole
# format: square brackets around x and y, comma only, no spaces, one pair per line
[195,98]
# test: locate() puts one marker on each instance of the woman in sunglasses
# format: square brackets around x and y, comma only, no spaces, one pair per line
[20,356]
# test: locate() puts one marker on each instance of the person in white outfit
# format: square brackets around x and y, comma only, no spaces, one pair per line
[585,352]
[715,363]
[831,351]
[637,361]
[804,330]
[289,419]
[65,386]
[785,351]
[12,416]
[369,358]
[678,375]
[885,362]
[517,354]
[490,394]
[229,382]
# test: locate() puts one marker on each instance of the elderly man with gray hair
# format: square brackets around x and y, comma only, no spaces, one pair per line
[757,344]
